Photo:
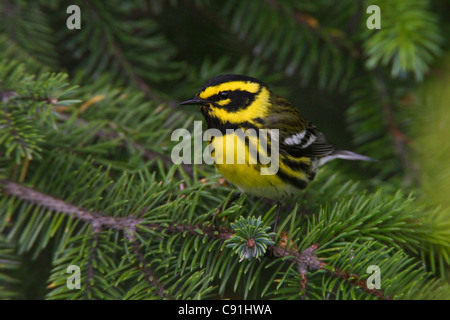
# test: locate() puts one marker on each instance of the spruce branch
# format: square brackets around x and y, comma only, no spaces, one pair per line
[150,275]
[33,34]
[147,153]
[409,40]
[27,105]
[9,95]
[305,262]
[125,47]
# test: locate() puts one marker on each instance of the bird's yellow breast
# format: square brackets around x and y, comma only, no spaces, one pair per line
[239,165]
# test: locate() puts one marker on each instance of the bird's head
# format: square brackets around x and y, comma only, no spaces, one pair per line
[232,99]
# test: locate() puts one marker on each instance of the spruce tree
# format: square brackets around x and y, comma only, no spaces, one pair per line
[86,177]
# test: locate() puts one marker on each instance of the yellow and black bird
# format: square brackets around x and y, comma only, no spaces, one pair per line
[241,102]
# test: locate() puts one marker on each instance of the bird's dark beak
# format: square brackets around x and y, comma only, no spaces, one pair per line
[194,101]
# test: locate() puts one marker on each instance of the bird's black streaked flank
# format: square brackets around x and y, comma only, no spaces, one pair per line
[240,102]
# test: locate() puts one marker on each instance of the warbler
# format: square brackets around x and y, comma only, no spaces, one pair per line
[231,102]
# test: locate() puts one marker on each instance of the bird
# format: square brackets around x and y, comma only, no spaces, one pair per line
[233,102]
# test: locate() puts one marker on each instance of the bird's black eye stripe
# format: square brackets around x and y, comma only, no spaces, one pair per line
[239,99]
[227,95]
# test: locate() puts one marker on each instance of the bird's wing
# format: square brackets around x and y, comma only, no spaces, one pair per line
[307,143]
[297,137]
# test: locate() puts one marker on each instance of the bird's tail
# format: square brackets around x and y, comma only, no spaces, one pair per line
[344,154]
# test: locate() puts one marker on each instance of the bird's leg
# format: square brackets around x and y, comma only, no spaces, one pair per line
[233,198]
[276,217]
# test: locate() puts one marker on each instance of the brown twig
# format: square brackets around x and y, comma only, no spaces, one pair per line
[151,277]
[209,230]
[6,95]
[99,221]
[123,62]
[307,260]
[92,257]
[306,21]
[96,219]
[400,139]
[357,282]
